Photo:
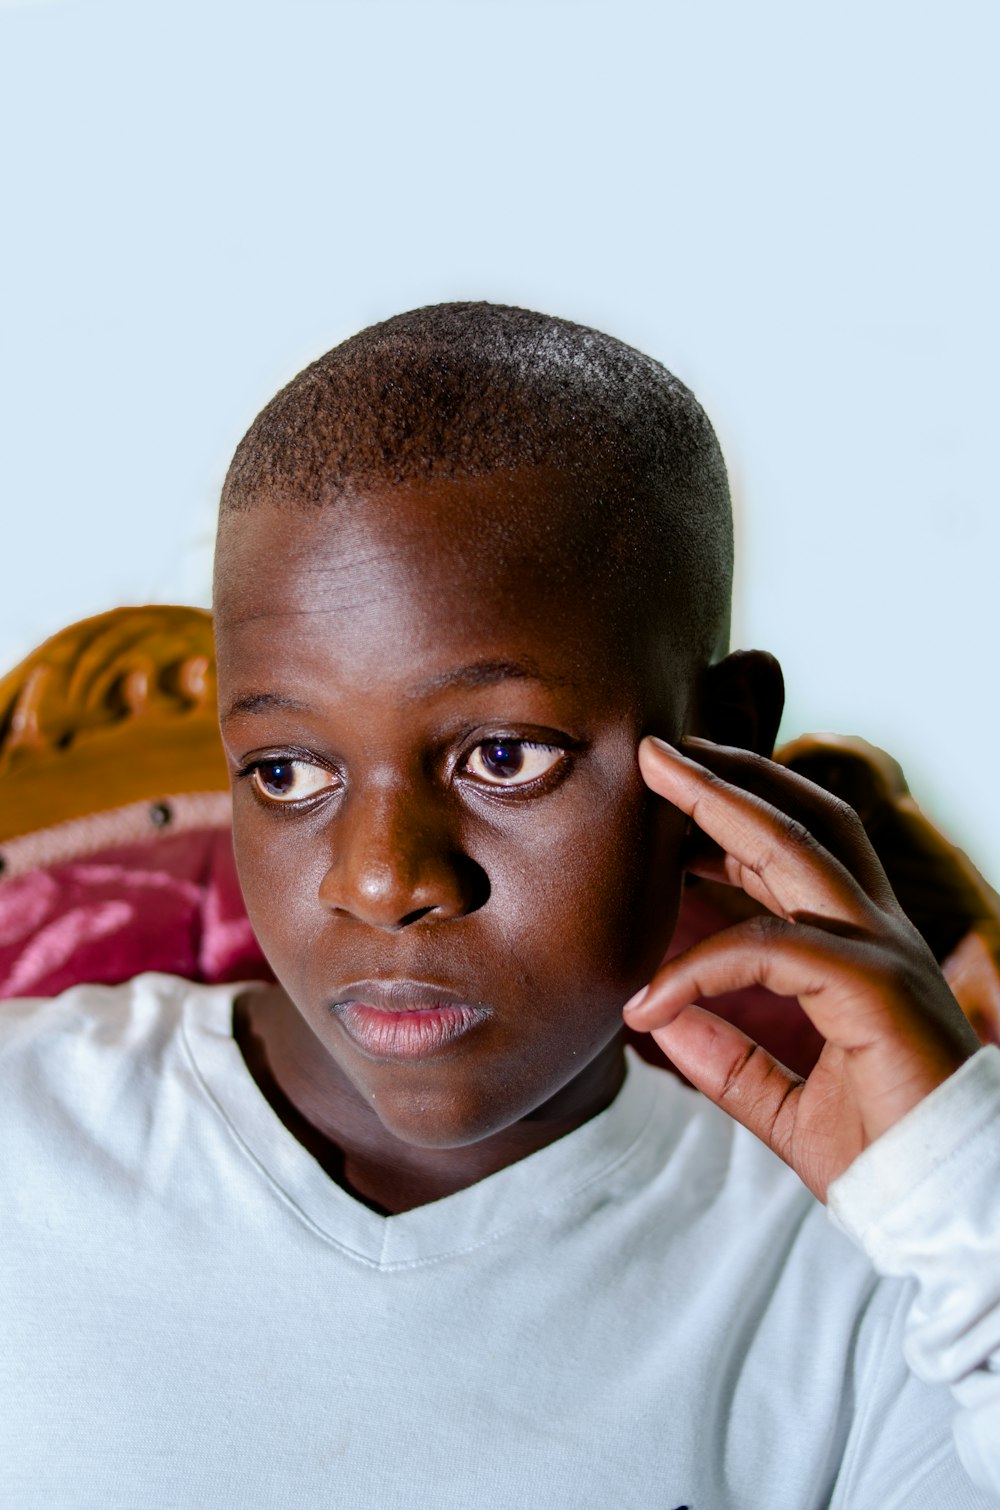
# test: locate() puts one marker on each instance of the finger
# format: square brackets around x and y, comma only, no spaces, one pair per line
[772,856]
[843,986]
[890,1068]
[828,818]
[736,1073]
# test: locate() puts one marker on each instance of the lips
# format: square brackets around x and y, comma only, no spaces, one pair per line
[404,1019]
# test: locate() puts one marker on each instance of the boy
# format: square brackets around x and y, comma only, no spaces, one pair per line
[407,1230]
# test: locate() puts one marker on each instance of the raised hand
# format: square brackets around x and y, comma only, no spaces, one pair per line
[835,937]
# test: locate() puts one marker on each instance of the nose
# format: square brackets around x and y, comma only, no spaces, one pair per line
[396,861]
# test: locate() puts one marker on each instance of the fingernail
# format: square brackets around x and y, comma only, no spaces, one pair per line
[661,744]
[635,1000]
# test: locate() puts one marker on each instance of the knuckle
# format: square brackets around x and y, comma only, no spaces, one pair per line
[779,1110]
[880,969]
[898,938]
[734,1083]
[764,930]
[893,968]
[705,799]
[758,764]
[795,833]
[845,817]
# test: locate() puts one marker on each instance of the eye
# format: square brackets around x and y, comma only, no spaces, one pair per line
[512,762]
[290,780]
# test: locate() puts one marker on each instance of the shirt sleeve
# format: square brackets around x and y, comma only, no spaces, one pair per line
[923,1202]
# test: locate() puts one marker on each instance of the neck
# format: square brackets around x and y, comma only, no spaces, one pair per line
[323,1110]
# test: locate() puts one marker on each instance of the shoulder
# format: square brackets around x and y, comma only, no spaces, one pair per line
[89,1016]
[86,1047]
[733,1212]
[691,1144]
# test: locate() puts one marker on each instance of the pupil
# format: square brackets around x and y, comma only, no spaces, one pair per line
[278,777]
[503,759]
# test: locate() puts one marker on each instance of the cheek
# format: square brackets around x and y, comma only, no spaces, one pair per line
[596,901]
[582,905]
[279,876]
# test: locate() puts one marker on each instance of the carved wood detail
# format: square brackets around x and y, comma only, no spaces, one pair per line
[115,709]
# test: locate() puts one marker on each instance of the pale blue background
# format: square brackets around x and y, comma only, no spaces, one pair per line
[793,206]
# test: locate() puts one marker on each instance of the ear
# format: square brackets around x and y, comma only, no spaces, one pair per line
[740,701]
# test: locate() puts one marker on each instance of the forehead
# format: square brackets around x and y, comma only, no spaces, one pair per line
[399,582]
[503,522]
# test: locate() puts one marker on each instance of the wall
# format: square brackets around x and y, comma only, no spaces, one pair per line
[793,208]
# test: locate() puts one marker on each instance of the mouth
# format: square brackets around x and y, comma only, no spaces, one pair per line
[404,1019]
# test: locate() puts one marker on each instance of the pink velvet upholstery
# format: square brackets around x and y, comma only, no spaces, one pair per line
[170,904]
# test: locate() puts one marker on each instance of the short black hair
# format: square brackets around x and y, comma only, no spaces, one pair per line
[464,389]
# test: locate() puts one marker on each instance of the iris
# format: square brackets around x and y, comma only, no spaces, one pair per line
[503,759]
[277,777]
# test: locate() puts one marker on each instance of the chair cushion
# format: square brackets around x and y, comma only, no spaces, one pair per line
[171,904]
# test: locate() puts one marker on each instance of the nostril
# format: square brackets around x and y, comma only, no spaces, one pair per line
[414,916]
[382,889]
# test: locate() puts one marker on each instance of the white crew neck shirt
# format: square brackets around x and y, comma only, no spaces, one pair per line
[650,1312]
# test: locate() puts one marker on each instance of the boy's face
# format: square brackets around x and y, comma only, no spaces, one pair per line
[445,844]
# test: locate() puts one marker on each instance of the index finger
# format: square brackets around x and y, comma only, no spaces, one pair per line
[772,856]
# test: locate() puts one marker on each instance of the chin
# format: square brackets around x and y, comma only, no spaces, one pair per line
[482,1102]
[422,1119]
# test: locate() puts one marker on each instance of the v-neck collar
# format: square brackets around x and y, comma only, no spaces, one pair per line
[440,1229]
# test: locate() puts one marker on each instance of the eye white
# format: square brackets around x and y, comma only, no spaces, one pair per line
[291,780]
[511,762]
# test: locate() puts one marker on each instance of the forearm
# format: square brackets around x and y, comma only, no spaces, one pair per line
[924,1203]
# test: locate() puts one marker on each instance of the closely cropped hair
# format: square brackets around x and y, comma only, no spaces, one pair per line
[461,390]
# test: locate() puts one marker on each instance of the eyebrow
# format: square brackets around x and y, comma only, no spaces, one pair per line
[263,702]
[476,674]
